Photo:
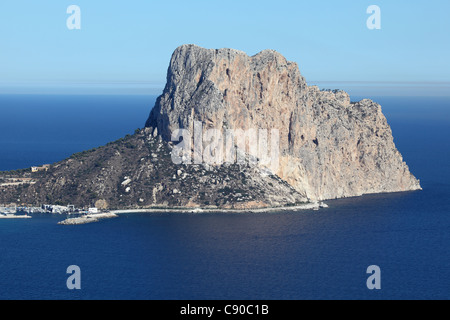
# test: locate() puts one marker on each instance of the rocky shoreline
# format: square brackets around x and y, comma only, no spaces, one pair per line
[115,213]
[13,216]
[306,206]
[88,218]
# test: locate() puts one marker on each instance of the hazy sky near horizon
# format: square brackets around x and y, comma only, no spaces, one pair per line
[123,44]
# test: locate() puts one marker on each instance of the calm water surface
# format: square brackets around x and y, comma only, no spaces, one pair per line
[305,255]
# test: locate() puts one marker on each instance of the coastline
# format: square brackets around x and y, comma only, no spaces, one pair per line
[88,218]
[14,217]
[306,206]
[115,213]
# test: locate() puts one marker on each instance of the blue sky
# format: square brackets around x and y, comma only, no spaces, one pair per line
[125,46]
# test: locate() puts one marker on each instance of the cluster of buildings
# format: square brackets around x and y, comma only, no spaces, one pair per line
[47,208]
[67,209]
[45,167]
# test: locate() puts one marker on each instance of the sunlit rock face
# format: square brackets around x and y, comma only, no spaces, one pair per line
[329,147]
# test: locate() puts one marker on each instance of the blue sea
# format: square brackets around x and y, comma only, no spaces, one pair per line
[303,255]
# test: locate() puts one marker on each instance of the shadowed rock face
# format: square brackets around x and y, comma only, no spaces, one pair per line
[137,172]
[329,147]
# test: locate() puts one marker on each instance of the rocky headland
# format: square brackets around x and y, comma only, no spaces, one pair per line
[329,147]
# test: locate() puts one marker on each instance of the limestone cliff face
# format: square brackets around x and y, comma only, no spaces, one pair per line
[329,147]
